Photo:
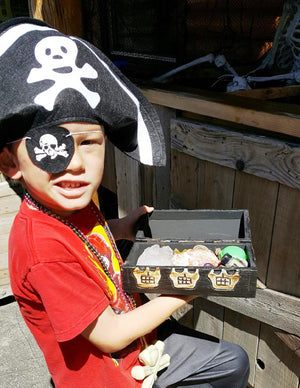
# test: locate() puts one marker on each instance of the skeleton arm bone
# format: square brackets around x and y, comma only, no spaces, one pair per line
[220,61]
[289,76]
[207,58]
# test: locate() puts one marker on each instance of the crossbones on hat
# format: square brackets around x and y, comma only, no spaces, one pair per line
[48,78]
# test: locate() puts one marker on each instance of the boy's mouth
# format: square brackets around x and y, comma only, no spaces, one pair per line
[70,185]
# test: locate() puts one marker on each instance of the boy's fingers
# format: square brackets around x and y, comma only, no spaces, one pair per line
[148,209]
[138,212]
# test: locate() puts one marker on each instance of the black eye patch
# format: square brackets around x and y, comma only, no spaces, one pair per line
[50,148]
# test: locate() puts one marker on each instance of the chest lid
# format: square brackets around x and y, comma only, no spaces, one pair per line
[195,225]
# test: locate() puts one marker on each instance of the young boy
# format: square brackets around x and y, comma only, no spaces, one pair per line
[60,98]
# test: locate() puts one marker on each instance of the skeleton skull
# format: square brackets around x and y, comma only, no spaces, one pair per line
[49,145]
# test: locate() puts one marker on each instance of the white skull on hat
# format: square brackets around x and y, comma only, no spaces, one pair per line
[57,57]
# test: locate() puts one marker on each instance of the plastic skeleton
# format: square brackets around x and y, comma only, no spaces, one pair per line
[154,360]
[218,61]
[284,55]
[285,51]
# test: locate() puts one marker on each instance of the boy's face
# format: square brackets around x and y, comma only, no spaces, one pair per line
[72,189]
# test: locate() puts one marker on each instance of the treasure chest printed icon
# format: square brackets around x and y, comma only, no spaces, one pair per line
[222,280]
[147,278]
[184,279]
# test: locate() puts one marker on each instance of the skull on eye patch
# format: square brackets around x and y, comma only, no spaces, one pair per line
[50,148]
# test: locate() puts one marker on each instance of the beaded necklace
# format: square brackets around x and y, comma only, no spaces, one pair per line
[128,299]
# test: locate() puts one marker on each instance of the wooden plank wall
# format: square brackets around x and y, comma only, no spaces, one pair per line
[212,166]
[62,15]
[206,164]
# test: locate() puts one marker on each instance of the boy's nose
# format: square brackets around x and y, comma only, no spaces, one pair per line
[76,163]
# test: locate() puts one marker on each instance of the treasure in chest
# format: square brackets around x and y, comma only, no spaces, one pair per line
[205,252]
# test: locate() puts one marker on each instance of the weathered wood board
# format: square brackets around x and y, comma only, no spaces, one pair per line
[271,159]
[284,268]
[127,183]
[259,196]
[243,331]
[217,187]
[277,365]
[272,307]
[185,177]
[268,116]
[208,317]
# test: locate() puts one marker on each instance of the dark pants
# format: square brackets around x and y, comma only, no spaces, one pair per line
[200,360]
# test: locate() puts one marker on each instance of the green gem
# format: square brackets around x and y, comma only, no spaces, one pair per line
[234,251]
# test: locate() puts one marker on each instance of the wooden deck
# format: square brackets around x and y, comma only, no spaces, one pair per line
[9,205]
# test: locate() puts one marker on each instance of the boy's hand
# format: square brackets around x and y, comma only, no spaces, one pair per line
[126,227]
[131,221]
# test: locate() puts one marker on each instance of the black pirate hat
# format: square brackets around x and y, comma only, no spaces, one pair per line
[48,78]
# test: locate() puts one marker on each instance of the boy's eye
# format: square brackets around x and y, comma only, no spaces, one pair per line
[92,141]
[88,138]
[87,142]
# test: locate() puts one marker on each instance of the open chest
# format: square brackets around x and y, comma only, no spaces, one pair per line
[184,229]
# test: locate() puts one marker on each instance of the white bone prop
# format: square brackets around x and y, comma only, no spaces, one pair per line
[154,360]
[207,58]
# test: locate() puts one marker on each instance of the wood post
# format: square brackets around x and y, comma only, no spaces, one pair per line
[63,15]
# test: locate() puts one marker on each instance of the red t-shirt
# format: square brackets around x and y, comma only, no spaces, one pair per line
[61,288]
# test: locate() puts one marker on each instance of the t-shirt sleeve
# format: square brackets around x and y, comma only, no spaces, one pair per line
[72,299]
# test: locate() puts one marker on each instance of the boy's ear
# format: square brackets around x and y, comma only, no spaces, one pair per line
[8,164]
